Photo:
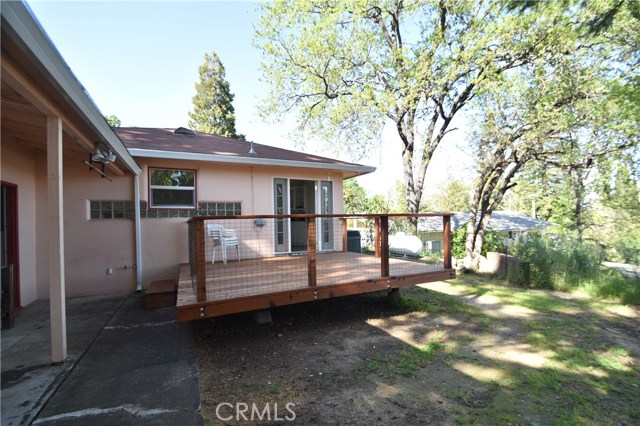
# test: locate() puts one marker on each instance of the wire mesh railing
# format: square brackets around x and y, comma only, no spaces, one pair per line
[233,257]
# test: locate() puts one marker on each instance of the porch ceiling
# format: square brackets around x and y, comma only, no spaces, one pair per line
[24,123]
[36,82]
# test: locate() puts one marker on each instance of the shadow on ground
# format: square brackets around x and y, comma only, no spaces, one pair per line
[429,358]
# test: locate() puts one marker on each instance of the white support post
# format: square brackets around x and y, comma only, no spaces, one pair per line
[138,225]
[56,240]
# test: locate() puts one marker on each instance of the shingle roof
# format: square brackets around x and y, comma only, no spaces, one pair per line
[500,221]
[143,141]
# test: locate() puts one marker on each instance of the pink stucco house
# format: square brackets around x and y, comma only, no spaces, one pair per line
[223,177]
[69,231]
[88,209]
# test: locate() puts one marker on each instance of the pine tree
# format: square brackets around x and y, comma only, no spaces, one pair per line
[213,110]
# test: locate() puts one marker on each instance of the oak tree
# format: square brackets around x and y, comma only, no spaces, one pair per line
[564,115]
[347,68]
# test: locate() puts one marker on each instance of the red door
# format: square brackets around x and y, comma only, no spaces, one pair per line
[9,234]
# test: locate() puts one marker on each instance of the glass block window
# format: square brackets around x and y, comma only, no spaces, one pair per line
[220,209]
[172,189]
[112,210]
[126,210]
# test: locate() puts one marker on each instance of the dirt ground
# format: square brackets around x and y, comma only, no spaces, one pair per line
[442,355]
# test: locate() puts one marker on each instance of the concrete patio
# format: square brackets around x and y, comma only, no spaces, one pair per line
[125,365]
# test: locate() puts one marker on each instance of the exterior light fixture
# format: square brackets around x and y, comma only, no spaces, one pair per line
[101,155]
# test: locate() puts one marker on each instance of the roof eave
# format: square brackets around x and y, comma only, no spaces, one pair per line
[35,41]
[213,158]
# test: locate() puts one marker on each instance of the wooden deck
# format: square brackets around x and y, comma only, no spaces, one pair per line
[247,285]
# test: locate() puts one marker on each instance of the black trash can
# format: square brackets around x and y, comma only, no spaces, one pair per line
[353,241]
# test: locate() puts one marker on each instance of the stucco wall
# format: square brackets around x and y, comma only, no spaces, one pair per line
[165,241]
[18,167]
[92,246]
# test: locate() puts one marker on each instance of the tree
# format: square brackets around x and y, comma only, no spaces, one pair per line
[355,197]
[450,197]
[378,204]
[601,19]
[213,110]
[617,219]
[347,68]
[113,120]
[562,113]
[397,198]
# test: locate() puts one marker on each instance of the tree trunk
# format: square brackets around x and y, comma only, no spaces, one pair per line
[494,181]
[578,205]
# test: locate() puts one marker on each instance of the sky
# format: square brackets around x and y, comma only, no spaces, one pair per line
[139,61]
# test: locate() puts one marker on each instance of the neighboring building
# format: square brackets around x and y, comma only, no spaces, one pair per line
[509,224]
[83,213]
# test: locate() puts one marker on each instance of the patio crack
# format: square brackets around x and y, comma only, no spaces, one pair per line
[144,324]
[128,408]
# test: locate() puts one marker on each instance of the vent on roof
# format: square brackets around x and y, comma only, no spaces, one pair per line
[184,131]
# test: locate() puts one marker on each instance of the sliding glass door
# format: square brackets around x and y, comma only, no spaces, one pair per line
[298,196]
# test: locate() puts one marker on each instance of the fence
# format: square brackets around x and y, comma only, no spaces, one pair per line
[239,257]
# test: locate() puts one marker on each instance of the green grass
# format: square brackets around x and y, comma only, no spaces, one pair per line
[535,300]
[587,375]
[462,396]
[417,299]
[407,360]
[589,379]
[620,351]
[276,388]
[613,285]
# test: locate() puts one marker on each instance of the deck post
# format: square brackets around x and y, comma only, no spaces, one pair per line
[376,229]
[345,239]
[201,268]
[384,246]
[446,234]
[311,251]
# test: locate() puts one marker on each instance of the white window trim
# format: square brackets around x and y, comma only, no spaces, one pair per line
[152,205]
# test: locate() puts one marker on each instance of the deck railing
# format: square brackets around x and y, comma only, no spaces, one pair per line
[265,240]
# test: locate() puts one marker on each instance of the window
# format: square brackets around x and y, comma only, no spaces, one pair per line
[174,189]
[219,209]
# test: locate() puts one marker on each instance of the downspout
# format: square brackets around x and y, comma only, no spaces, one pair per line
[136,196]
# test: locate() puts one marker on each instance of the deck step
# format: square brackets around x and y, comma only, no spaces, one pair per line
[161,294]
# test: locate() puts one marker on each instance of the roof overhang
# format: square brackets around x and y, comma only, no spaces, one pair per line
[501,221]
[352,169]
[25,41]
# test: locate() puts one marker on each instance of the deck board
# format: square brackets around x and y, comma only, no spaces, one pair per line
[281,279]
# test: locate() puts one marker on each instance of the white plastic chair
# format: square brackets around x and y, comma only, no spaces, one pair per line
[224,238]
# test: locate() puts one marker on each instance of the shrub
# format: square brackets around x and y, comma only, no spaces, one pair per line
[580,263]
[611,284]
[458,239]
[565,264]
[492,241]
[536,262]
